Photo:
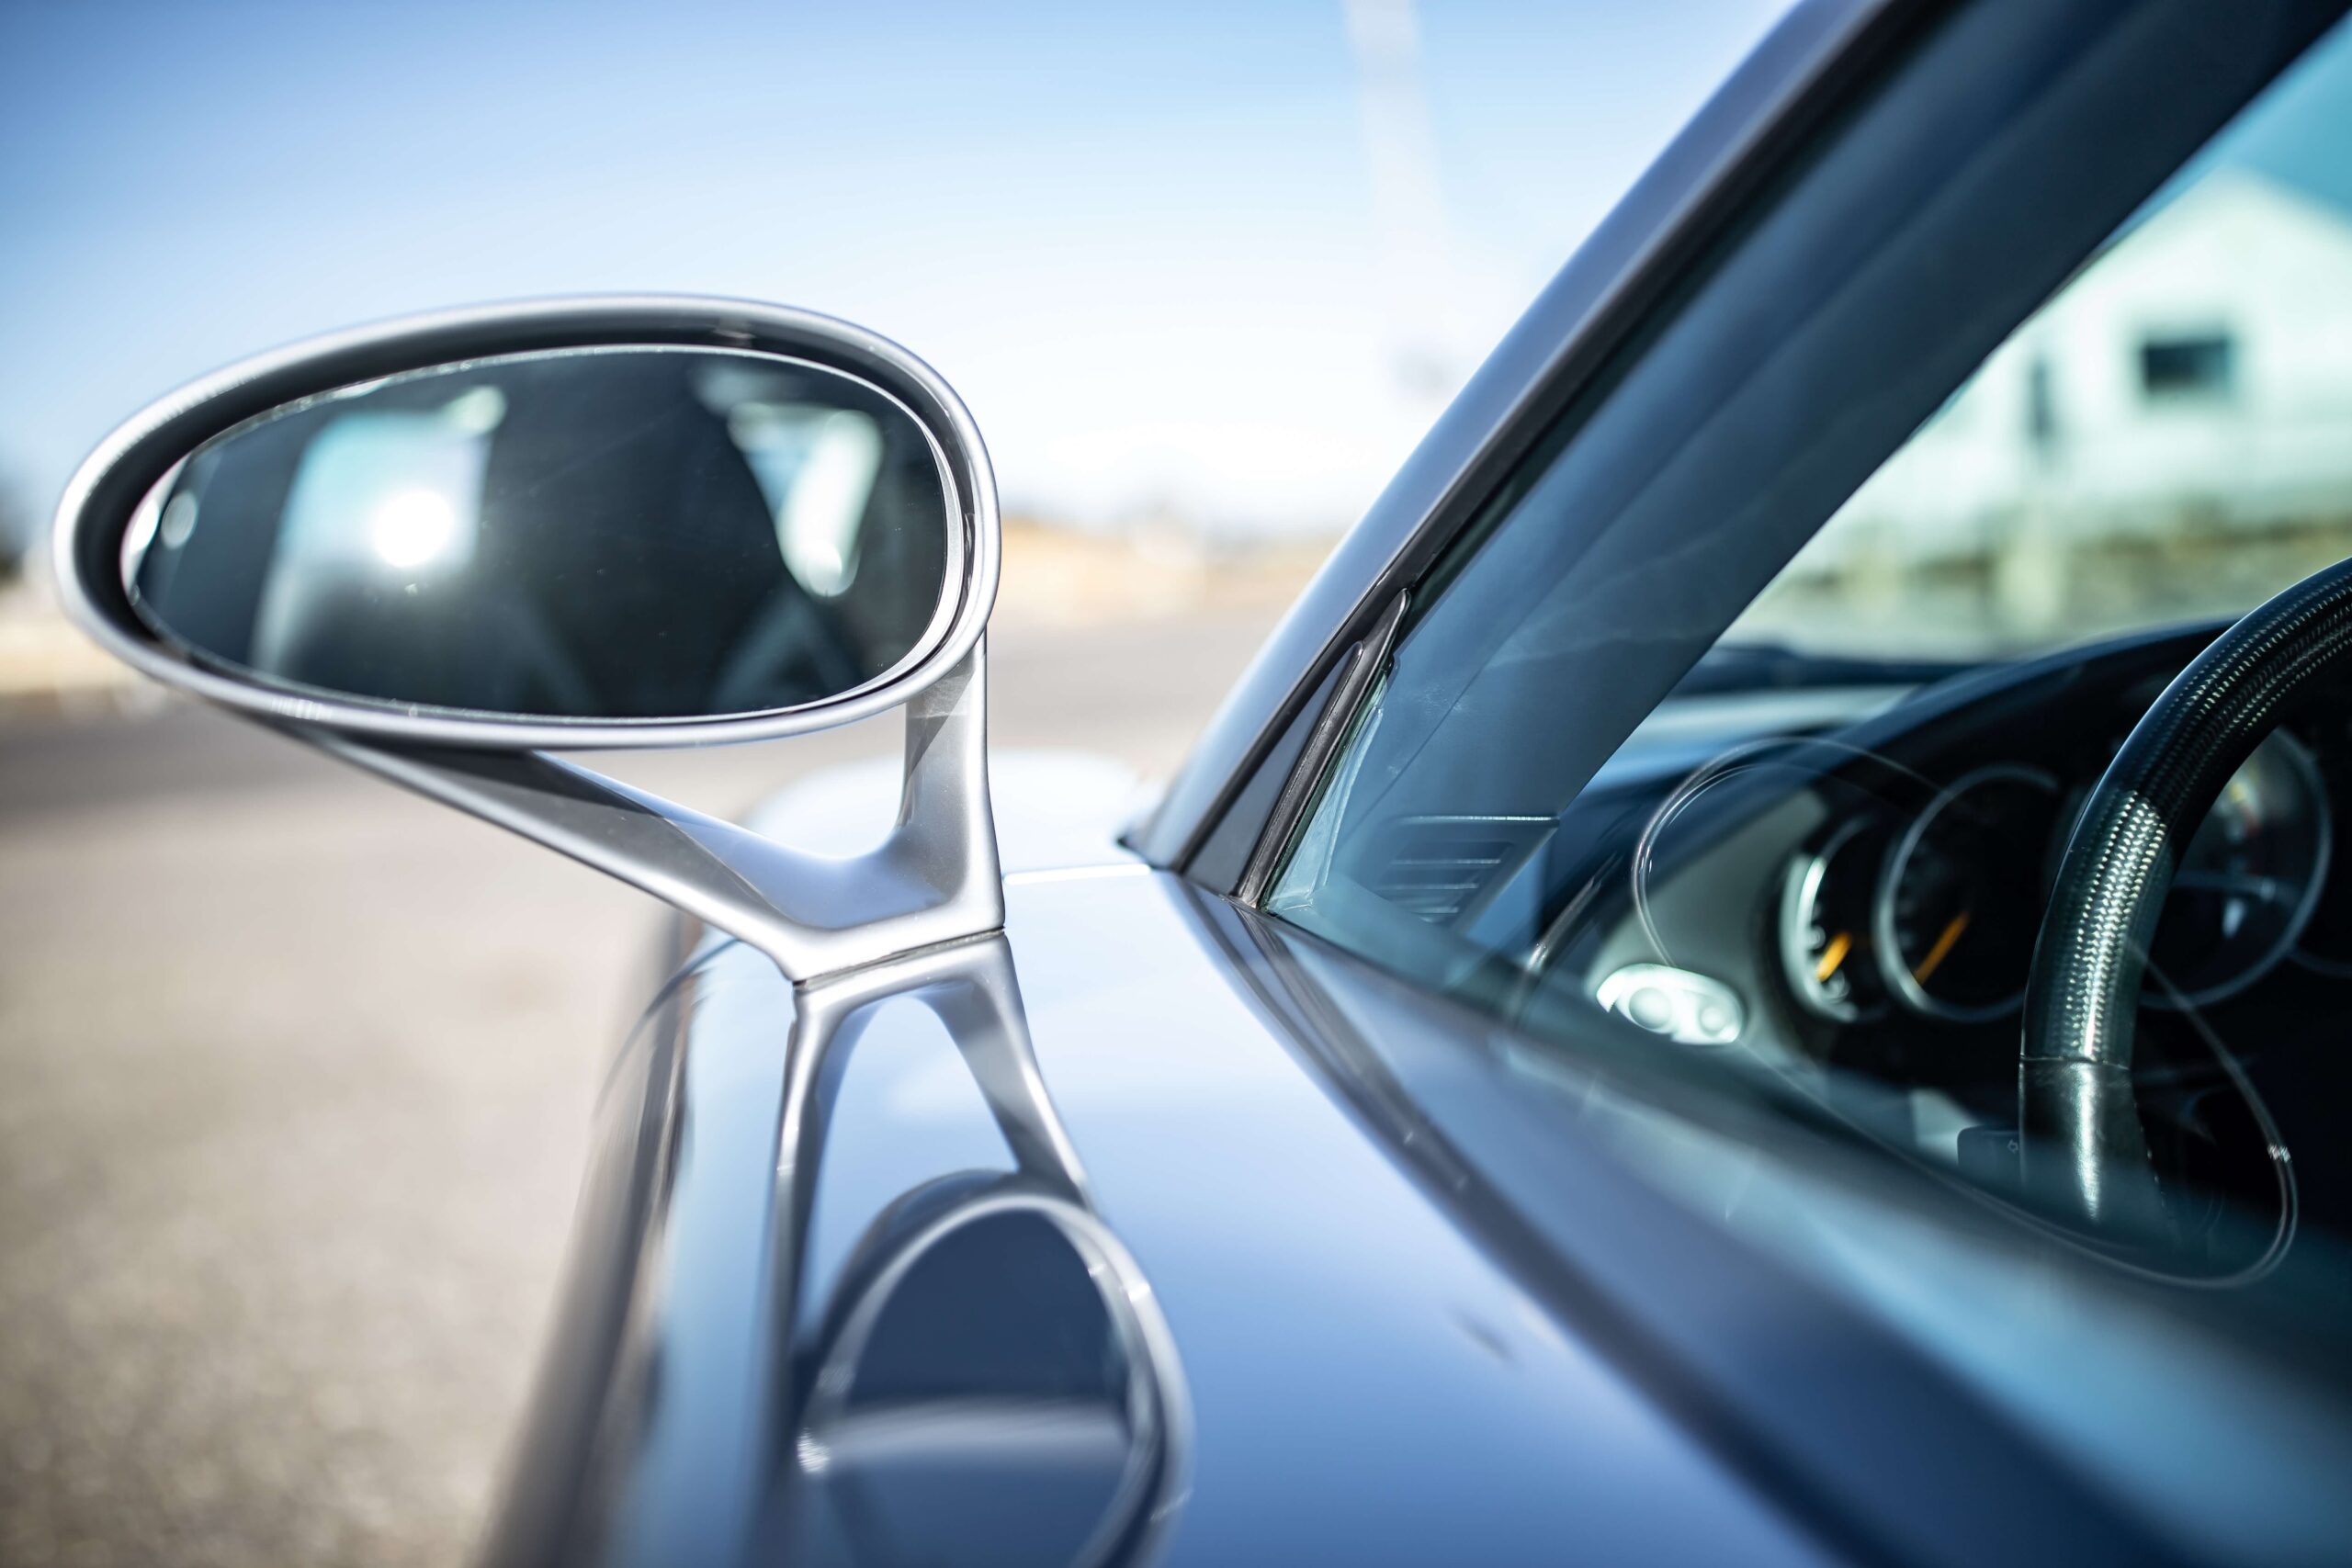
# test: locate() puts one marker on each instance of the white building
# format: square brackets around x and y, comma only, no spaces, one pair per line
[2172,435]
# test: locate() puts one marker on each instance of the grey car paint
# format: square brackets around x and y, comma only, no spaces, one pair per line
[1378,1386]
[1414,1321]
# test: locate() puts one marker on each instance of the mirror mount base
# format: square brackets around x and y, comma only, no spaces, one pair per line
[934,880]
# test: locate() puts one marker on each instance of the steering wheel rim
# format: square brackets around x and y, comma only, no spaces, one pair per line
[2083,1150]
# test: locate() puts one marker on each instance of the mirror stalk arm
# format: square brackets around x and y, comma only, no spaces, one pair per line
[934,880]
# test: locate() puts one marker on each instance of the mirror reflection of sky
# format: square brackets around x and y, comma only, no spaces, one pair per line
[1148,245]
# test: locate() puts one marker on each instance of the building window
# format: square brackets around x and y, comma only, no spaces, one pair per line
[2041,405]
[2188,365]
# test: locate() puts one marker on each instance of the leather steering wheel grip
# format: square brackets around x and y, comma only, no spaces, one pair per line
[2085,1153]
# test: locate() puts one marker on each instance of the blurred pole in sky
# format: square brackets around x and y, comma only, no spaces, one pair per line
[1417,253]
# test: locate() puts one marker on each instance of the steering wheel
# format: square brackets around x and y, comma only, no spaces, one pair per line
[2084,1152]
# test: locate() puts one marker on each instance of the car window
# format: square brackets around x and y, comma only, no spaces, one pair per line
[2164,441]
[1766,746]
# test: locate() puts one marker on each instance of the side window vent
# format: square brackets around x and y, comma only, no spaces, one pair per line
[1445,869]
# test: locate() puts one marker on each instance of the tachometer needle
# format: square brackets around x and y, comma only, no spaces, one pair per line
[1942,950]
[1833,956]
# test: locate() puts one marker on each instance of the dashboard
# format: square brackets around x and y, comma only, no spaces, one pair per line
[1849,892]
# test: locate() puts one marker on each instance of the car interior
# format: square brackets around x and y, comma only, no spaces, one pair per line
[1825,860]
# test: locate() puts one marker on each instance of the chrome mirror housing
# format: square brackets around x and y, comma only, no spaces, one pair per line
[440,547]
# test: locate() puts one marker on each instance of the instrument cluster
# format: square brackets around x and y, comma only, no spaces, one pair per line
[1932,910]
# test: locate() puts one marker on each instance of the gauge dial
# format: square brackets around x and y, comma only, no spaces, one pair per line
[1826,928]
[2248,880]
[1960,903]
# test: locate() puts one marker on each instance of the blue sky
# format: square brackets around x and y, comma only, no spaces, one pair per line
[1142,240]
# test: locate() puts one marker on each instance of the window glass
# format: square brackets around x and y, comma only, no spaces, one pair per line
[1823,859]
[2165,439]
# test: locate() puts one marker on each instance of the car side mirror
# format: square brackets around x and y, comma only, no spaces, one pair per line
[444,546]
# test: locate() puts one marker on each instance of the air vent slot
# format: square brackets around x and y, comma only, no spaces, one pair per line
[1445,869]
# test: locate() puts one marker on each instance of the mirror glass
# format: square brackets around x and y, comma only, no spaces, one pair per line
[589,534]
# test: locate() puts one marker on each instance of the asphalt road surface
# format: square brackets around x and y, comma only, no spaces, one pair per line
[294,1076]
